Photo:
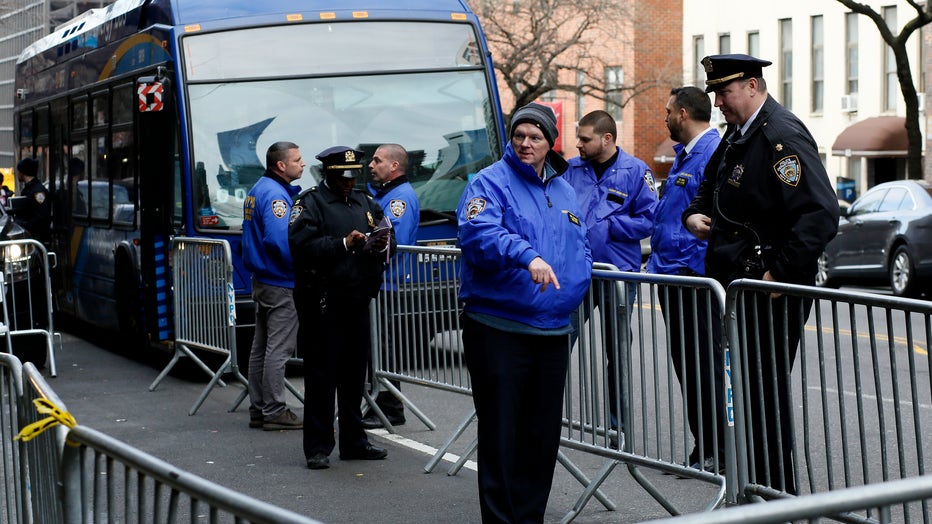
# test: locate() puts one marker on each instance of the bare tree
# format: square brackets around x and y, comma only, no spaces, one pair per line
[541,45]
[904,74]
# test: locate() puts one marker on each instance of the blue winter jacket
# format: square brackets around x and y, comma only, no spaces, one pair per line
[399,203]
[673,247]
[507,217]
[618,208]
[265,231]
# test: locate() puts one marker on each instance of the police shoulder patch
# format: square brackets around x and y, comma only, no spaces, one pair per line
[279,208]
[296,211]
[789,170]
[474,207]
[40,197]
[397,207]
[649,180]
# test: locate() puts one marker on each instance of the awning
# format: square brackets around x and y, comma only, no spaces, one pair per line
[879,136]
[665,153]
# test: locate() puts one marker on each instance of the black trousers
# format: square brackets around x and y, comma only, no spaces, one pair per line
[336,353]
[517,386]
[698,363]
[772,330]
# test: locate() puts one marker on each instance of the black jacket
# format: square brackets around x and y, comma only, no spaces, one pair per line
[320,219]
[768,189]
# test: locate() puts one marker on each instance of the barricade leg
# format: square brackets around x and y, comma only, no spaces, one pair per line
[458,465]
[432,463]
[216,379]
[407,403]
[592,487]
[182,351]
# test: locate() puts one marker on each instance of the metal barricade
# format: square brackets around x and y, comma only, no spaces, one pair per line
[626,398]
[421,315]
[78,474]
[205,313]
[107,480]
[28,299]
[857,394]
[12,504]
[878,499]
[41,456]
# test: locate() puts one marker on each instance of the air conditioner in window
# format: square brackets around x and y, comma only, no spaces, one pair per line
[849,103]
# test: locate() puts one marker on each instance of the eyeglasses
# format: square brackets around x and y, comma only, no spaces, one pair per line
[519,138]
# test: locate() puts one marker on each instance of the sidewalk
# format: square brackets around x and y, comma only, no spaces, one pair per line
[109,392]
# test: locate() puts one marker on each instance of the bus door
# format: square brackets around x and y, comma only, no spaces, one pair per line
[156,135]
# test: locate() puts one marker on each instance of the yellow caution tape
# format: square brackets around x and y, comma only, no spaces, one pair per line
[56,416]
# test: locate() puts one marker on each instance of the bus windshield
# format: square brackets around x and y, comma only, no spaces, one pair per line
[439,109]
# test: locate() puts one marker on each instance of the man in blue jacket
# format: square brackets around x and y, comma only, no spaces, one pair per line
[617,195]
[676,251]
[393,192]
[267,256]
[526,267]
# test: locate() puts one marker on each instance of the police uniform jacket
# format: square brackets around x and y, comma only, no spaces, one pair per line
[768,188]
[265,230]
[673,248]
[320,219]
[507,217]
[399,203]
[618,208]
[36,215]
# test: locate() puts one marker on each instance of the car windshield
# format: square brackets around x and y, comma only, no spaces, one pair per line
[443,118]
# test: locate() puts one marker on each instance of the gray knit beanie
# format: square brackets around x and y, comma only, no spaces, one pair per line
[539,115]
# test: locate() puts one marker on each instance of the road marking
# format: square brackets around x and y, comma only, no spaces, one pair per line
[865,396]
[421,447]
[917,348]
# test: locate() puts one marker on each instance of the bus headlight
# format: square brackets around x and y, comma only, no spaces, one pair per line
[15,260]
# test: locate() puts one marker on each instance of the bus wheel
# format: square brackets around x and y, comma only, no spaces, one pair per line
[129,307]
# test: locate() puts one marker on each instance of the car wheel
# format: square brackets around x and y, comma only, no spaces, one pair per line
[902,276]
[821,279]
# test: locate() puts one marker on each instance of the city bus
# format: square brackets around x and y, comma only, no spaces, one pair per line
[150,119]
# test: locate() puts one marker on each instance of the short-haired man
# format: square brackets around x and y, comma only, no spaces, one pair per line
[393,192]
[768,209]
[617,196]
[267,256]
[675,251]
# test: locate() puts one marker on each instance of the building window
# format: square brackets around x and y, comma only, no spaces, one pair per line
[851,59]
[614,79]
[786,62]
[698,55]
[754,43]
[724,43]
[818,64]
[580,97]
[549,96]
[891,84]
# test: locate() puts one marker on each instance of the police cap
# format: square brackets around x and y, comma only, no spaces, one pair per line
[722,69]
[341,161]
[28,166]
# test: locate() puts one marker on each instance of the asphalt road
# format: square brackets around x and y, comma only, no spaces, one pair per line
[107,389]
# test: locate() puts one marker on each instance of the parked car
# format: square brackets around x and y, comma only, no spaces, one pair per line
[884,237]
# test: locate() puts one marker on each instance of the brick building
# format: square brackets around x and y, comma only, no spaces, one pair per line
[648,55]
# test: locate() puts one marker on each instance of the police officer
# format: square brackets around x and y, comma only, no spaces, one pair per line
[36,214]
[767,209]
[393,192]
[337,273]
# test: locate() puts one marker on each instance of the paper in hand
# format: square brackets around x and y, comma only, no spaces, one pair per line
[384,229]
